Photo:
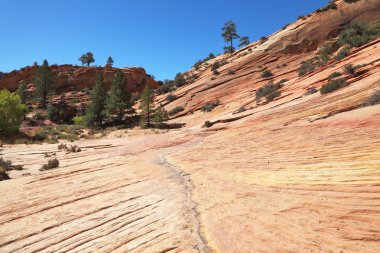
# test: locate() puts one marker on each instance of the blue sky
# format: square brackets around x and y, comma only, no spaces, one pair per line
[163,36]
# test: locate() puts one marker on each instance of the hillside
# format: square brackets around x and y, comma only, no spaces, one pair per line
[299,173]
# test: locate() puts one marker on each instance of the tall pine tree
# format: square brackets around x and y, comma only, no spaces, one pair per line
[45,84]
[146,106]
[95,111]
[118,100]
[229,33]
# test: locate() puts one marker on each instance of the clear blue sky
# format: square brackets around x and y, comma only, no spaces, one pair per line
[163,36]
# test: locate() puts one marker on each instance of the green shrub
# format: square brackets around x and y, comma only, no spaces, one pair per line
[306,67]
[53,113]
[166,87]
[349,69]
[272,95]
[310,91]
[374,99]
[324,53]
[3,174]
[12,113]
[357,34]
[74,101]
[266,74]
[8,166]
[176,110]
[209,106]
[263,39]
[342,54]
[215,66]
[330,6]
[333,75]
[333,85]
[351,1]
[170,97]
[208,124]
[179,80]
[79,120]
[51,164]
[39,116]
[231,72]
[267,90]
[301,17]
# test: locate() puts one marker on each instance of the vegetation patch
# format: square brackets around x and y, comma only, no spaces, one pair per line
[374,99]
[334,75]
[176,110]
[170,97]
[208,124]
[358,34]
[51,164]
[311,91]
[269,91]
[266,74]
[306,67]
[333,85]
[209,106]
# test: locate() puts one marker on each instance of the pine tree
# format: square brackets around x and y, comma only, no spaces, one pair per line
[45,84]
[87,58]
[160,116]
[22,92]
[95,111]
[229,34]
[146,106]
[110,61]
[118,100]
[244,41]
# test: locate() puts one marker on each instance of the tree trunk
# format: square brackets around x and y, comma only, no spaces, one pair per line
[231,49]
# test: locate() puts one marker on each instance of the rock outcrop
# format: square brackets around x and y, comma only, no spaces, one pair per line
[74,78]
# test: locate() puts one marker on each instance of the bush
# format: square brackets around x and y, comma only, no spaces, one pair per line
[330,6]
[272,95]
[170,97]
[310,91]
[79,120]
[333,85]
[209,106]
[215,66]
[51,164]
[179,80]
[176,110]
[374,99]
[39,116]
[263,39]
[342,54]
[266,73]
[333,75]
[208,124]
[53,113]
[356,35]
[12,112]
[324,53]
[266,90]
[3,174]
[166,87]
[349,69]
[231,72]
[8,166]
[306,67]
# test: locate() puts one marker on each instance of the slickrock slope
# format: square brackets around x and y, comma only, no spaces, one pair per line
[108,198]
[298,174]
